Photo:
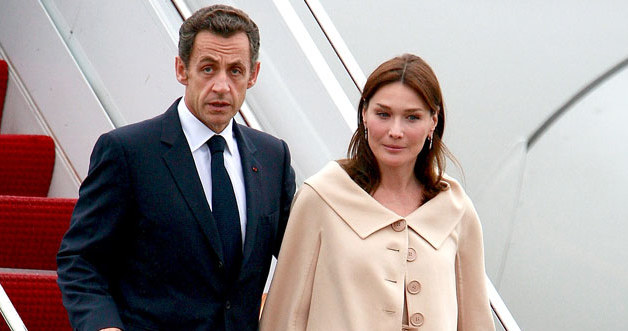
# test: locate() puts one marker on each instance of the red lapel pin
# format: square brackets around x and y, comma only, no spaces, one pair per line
[254,169]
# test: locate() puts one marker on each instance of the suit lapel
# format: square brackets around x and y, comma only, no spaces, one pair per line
[179,160]
[252,171]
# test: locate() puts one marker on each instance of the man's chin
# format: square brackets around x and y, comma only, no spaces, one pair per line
[218,122]
[218,110]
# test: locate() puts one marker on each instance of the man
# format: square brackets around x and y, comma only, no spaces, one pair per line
[163,237]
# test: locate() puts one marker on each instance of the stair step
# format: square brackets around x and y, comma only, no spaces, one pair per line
[31,229]
[26,164]
[36,297]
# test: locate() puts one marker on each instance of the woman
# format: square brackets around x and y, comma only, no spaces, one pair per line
[384,240]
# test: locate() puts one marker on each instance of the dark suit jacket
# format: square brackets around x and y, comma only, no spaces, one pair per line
[143,251]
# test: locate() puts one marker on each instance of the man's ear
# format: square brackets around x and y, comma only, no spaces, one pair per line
[253,76]
[181,71]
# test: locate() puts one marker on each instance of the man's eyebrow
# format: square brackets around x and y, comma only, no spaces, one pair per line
[237,63]
[210,59]
[207,58]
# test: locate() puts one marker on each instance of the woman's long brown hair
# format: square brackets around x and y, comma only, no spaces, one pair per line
[361,164]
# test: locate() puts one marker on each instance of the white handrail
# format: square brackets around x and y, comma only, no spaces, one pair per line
[317,61]
[337,43]
[183,8]
[9,313]
[499,307]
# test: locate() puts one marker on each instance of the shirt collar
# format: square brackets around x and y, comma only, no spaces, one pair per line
[197,133]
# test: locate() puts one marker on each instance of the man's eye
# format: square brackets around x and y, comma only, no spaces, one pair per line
[207,69]
[236,71]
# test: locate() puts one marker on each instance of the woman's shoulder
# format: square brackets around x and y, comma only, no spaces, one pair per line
[451,183]
[320,181]
[459,198]
[331,176]
[333,185]
[455,190]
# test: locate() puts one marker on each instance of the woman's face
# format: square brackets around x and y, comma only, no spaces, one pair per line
[398,122]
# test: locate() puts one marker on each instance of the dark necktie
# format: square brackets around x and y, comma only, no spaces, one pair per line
[225,207]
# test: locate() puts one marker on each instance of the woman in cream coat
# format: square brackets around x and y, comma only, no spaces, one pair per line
[384,240]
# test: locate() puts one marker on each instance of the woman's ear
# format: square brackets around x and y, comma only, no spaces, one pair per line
[435,122]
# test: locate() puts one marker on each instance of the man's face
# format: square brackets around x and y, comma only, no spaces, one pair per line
[217,77]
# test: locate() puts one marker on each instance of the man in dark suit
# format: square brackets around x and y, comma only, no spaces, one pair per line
[173,230]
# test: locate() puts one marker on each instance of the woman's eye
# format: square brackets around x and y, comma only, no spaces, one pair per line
[382,114]
[413,117]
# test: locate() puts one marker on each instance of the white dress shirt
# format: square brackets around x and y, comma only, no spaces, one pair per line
[197,135]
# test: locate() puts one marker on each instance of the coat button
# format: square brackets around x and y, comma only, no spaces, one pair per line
[414,287]
[399,225]
[417,319]
[411,254]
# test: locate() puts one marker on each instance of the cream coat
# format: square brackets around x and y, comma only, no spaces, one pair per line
[346,262]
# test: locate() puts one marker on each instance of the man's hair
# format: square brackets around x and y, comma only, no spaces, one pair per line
[221,20]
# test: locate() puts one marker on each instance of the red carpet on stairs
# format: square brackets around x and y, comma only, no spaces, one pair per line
[36,298]
[31,229]
[26,164]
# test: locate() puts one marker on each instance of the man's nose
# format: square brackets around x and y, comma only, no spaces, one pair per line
[221,83]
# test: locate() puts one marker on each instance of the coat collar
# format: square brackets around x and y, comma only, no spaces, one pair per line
[434,220]
[252,172]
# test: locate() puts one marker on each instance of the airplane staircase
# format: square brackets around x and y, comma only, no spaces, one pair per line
[31,227]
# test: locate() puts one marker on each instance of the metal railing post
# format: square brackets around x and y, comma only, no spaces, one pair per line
[500,309]
[9,313]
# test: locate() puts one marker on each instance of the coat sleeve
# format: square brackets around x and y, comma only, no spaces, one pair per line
[91,243]
[288,303]
[474,312]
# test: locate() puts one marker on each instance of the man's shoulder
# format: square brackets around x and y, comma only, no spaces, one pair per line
[146,130]
[140,128]
[258,137]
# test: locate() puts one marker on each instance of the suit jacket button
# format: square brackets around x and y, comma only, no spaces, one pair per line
[220,265]
[228,305]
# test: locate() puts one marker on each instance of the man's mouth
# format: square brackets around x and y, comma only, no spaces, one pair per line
[219,104]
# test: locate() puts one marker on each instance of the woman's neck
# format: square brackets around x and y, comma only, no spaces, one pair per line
[399,190]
